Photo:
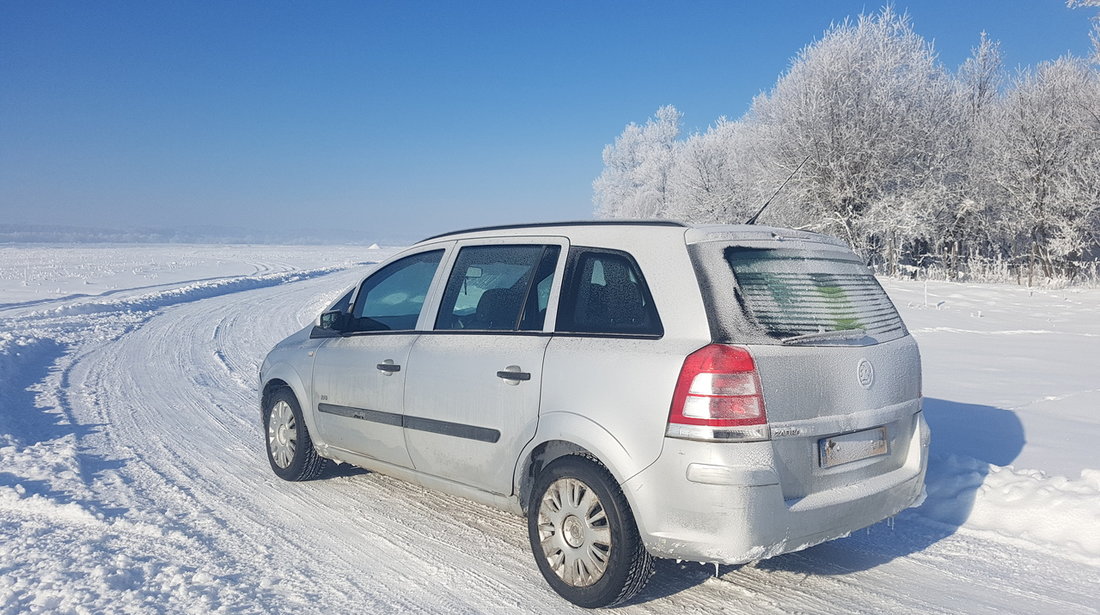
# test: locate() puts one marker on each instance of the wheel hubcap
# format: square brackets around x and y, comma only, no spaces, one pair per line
[282,434]
[574,532]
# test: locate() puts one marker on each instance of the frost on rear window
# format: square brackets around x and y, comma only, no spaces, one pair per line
[792,292]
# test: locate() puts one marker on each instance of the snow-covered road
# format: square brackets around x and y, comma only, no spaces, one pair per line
[133,479]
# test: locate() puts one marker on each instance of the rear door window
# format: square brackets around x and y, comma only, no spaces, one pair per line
[791,292]
[605,293]
[498,288]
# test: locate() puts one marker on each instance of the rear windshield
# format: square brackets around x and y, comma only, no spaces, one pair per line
[806,294]
[795,292]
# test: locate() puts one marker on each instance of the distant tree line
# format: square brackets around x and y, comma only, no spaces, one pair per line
[967,172]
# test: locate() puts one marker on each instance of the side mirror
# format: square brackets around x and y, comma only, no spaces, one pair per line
[336,320]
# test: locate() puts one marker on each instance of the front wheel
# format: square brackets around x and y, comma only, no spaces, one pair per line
[289,447]
[583,534]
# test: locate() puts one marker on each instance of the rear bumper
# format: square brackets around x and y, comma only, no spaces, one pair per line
[694,504]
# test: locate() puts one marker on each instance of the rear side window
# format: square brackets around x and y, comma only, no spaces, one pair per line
[605,293]
[789,292]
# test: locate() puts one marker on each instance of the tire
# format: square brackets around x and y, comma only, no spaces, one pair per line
[583,535]
[289,447]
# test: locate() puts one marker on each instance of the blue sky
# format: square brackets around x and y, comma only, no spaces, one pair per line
[394,119]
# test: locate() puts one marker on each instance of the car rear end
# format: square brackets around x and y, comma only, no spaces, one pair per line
[801,422]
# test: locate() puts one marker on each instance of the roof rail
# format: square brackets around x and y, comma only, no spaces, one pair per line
[504,227]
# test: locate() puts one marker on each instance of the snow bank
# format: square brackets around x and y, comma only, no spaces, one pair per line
[1051,511]
[55,562]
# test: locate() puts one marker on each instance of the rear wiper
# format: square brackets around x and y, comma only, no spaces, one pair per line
[841,334]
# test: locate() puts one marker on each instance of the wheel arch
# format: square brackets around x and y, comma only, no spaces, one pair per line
[269,389]
[283,376]
[565,433]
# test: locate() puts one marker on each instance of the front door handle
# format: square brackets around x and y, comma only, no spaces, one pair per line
[513,375]
[388,367]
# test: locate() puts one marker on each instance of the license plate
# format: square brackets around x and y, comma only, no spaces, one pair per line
[849,447]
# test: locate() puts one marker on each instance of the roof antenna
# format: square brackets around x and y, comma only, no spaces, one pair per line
[752,220]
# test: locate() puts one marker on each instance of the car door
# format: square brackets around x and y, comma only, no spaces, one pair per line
[473,385]
[359,376]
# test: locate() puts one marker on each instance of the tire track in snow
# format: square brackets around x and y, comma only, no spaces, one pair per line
[94,489]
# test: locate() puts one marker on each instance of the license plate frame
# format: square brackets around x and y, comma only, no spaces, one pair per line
[833,451]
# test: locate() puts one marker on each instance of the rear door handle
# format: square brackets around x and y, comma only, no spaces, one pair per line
[388,367]
[513,375]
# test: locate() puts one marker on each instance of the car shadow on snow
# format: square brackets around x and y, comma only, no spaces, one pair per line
[986,433]
[966,438]
[343,470]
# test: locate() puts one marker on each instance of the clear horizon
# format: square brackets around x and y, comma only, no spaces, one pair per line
[394,120]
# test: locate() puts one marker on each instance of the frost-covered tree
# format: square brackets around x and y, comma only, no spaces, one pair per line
[709,180]
[1044,161]
[980,76]
[637,169]
[872,108]
[911,164]
[969,229]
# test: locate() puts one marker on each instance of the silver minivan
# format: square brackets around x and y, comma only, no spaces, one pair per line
[635,389]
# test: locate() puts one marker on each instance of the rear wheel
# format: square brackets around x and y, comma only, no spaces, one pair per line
[583,534]
[289,447]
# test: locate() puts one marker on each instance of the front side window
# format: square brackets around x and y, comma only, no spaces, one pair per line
[606,294]
[498,288]
[391,298]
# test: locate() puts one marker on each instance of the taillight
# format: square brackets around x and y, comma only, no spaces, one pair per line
[718,397]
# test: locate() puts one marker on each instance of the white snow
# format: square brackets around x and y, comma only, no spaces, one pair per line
[132,474]
[1012,392]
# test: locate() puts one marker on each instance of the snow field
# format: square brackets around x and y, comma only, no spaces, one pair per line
[1012,389]
[133,478]
[33,274]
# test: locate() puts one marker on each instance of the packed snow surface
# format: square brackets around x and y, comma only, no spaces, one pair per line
[133,477]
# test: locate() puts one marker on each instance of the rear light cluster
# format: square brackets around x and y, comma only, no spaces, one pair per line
[718,397]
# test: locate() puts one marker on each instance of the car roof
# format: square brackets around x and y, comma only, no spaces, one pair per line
[692,233]
[546,226]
